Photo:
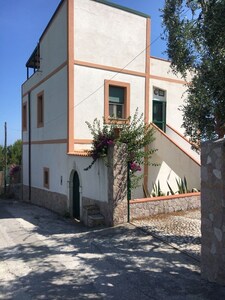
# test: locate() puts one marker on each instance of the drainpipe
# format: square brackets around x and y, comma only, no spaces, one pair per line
[128,192]
[29,146]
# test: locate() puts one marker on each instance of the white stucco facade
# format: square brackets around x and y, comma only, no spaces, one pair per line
[85,44]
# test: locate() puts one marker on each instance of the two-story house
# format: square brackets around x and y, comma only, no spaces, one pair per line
[92,61]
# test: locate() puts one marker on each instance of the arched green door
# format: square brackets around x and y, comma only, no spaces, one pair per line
[76,196]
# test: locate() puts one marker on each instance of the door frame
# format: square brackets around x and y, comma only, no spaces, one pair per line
[163,121]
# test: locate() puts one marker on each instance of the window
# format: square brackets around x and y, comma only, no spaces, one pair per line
[24,117]
[117,101]
[46,178]
[40,109]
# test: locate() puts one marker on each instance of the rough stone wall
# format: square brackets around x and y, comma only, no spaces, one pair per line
[53,201]
[213,211]
[144,208]
[117,183]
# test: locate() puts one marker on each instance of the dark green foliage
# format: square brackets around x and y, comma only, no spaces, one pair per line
[195,35]
[14,154]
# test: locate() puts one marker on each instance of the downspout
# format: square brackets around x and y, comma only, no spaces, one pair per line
[29,147]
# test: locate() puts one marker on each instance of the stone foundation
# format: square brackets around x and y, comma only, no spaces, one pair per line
[213,211]
[144,208]
[53,201]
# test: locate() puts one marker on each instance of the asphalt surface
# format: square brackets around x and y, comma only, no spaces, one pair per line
[43,256]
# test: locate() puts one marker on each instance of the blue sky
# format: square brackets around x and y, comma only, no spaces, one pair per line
[21,24]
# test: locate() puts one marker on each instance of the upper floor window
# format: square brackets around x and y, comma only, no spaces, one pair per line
[40,109]
[117,101]
[24,116]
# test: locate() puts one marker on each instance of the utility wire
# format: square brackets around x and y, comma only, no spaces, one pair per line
[101,86]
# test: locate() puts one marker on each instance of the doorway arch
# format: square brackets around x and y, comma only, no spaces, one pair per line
[76,196]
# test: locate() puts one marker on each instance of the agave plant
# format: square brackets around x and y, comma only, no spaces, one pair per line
[181,185]
[156,190]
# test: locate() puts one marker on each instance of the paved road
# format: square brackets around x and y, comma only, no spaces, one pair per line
[43,256]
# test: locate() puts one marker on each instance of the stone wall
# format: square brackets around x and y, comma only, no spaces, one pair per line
[144,208]
[117,185]
[213,211]
[53,201]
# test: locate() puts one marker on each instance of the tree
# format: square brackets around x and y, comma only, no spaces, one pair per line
[15,153]
[1,158]
[195,35]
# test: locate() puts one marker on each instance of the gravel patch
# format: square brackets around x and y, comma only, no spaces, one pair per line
[182,230]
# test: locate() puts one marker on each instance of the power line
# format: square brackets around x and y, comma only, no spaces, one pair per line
[102,85]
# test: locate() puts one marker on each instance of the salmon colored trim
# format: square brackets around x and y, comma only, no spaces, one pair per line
[159,58]
[82,141]
[45,79]
[168,79]
[147,70]
[24,116]
[178,133]
[108,68]
[70,75]
[126,85]
[166,136]
[46,142]
[163,198]
[85,153]
[147,88]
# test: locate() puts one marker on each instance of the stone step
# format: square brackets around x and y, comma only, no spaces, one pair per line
[92,209]
[95,220]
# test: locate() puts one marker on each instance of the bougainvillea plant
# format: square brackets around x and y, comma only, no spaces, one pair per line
[135,133]
[14,169]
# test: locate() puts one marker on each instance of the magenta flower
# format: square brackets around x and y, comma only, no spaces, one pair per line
[134,167]
[110,142]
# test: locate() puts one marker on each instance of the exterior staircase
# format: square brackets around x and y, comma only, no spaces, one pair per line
[92,216]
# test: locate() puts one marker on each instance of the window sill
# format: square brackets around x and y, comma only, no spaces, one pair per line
[117,121]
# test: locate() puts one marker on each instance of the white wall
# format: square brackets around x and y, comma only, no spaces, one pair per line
[109,36]
[94,182]
[161,67]
[173,163]
[183,143]
[55,108]
[175,91]
[89,96]
[53,46]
